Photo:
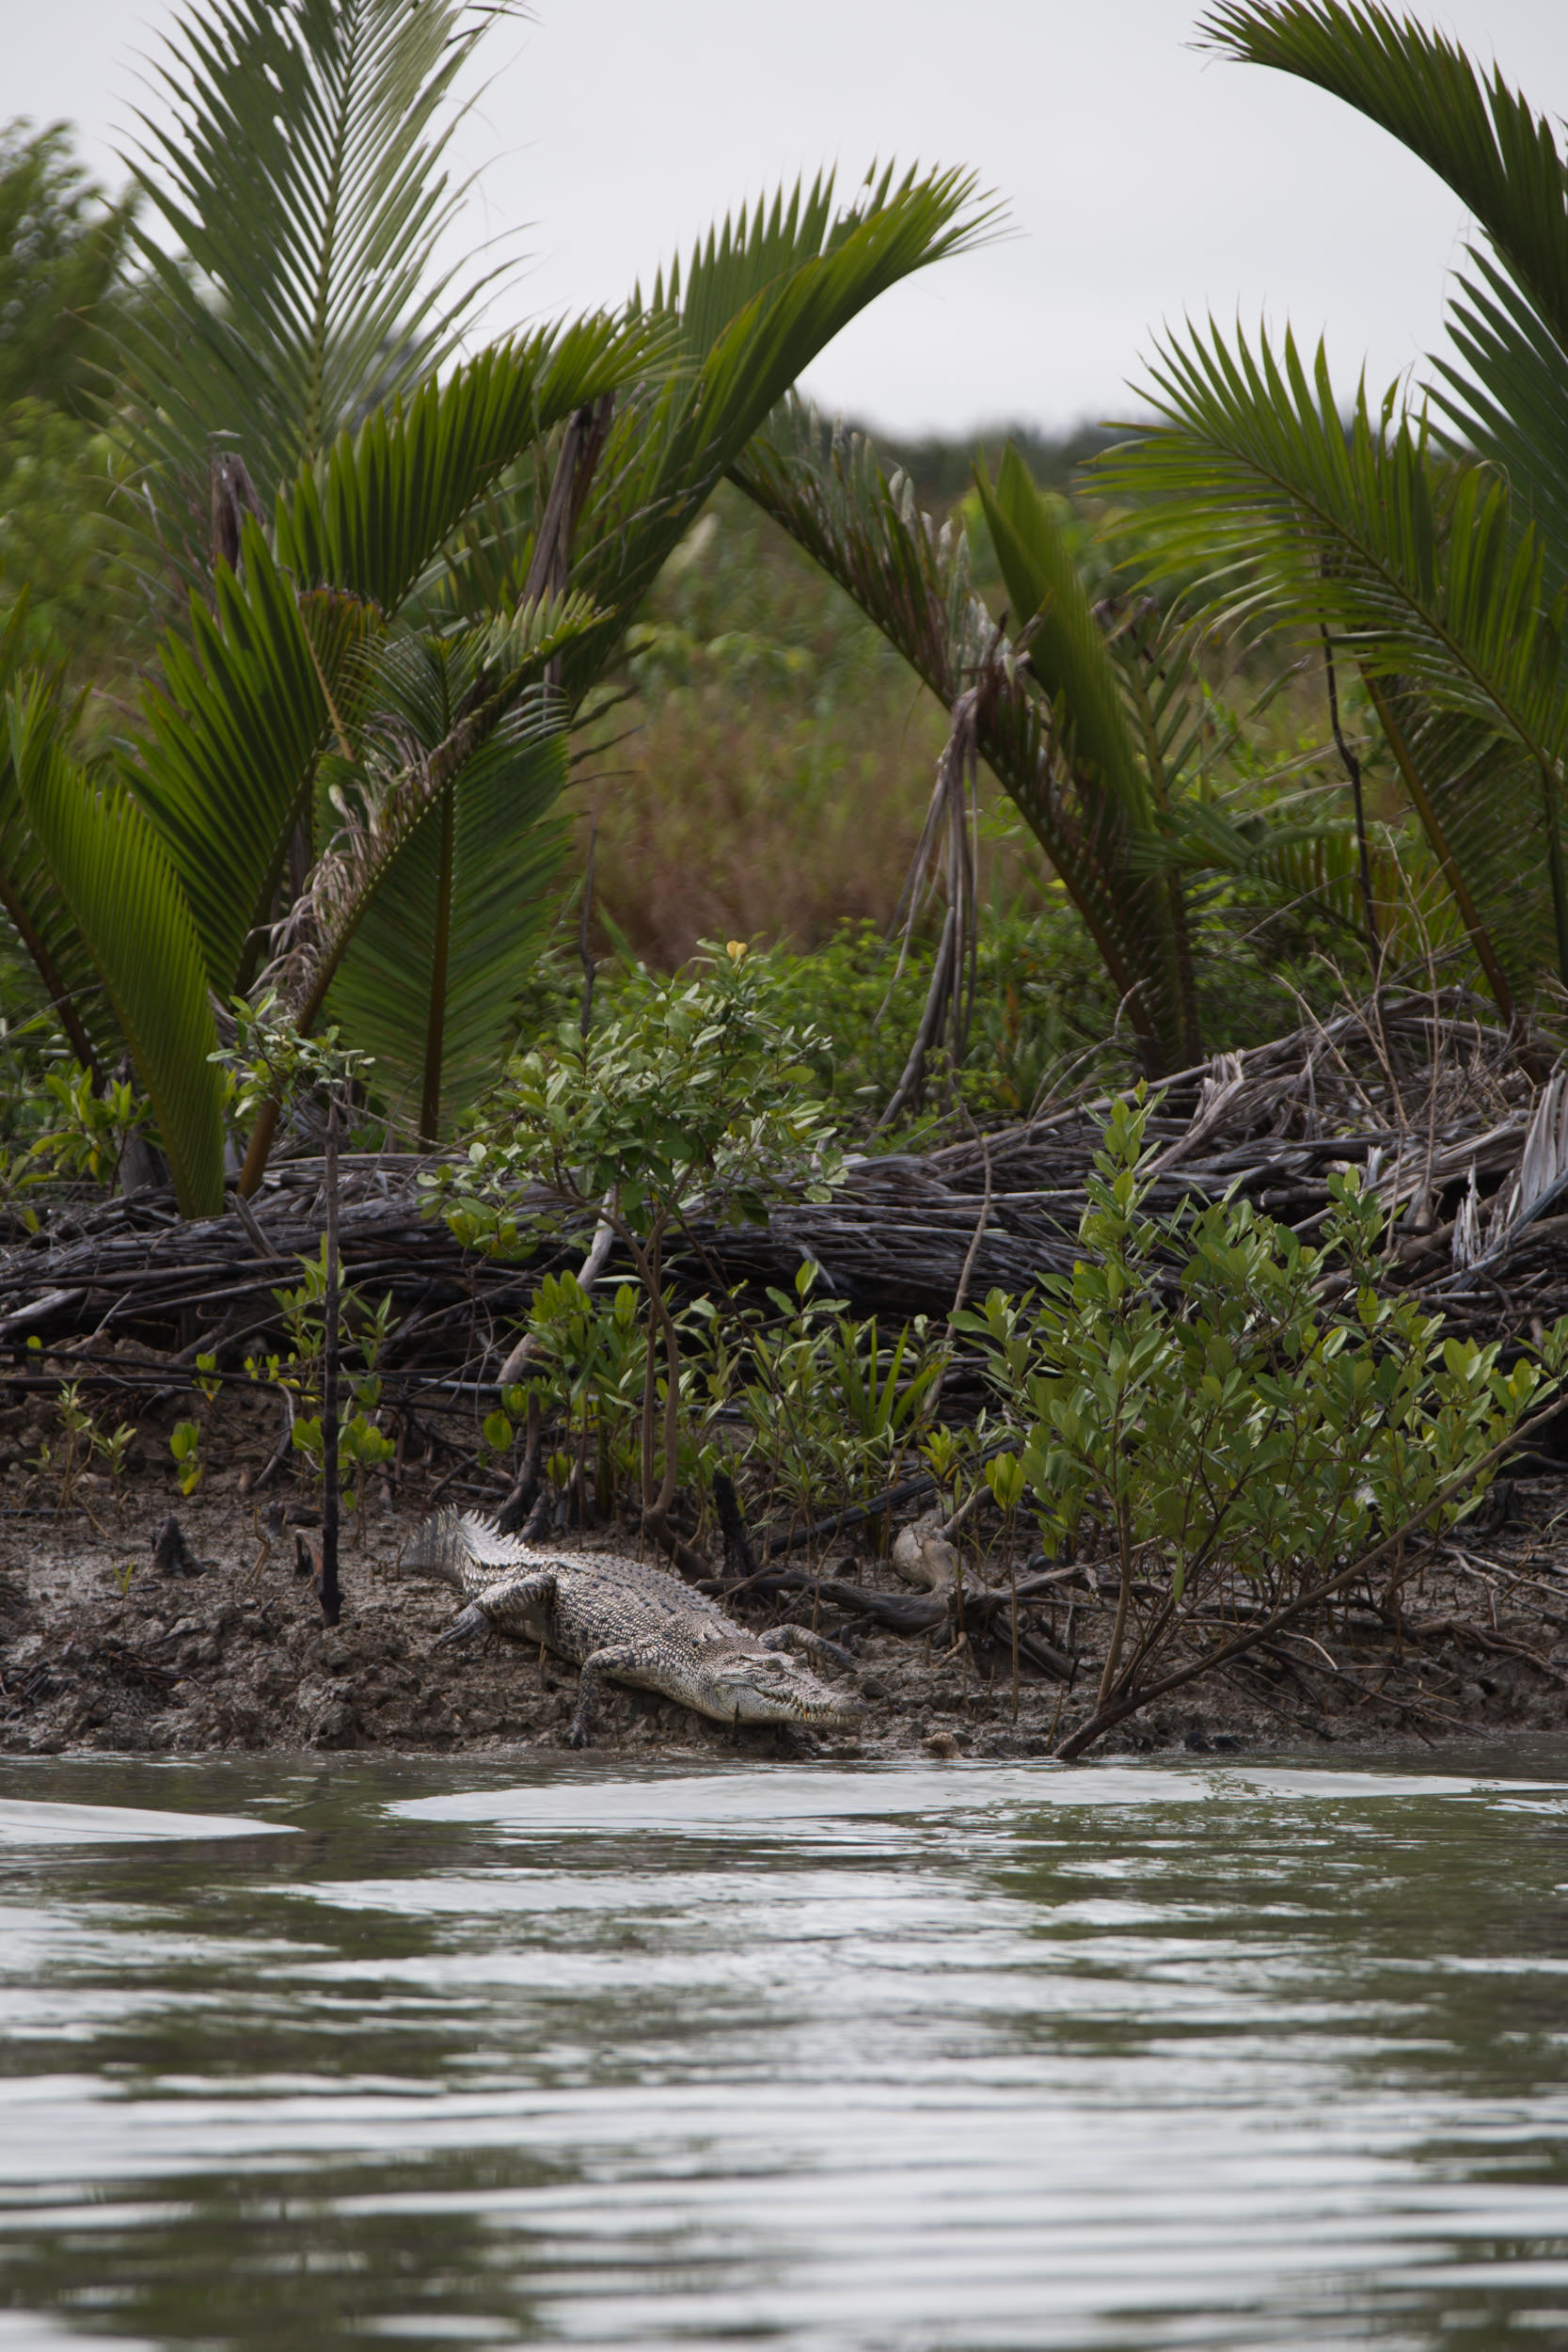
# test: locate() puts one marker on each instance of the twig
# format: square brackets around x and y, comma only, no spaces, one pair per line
[589,966]
[331,1597]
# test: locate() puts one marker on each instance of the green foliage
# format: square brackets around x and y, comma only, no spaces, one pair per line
[296,1371]
[591,1350]
[830,1406]
[186,1445]
[1232,1404]
[692,1100]
[61,252]
[86,1132]
[692,1097]
[269,1061]
[1042,1004]
[74,1450]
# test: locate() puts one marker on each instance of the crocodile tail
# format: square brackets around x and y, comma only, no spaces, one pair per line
[439,1547]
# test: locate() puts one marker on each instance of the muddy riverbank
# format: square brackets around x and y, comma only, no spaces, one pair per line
[102,1651]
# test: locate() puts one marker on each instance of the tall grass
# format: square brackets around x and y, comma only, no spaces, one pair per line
[770,771]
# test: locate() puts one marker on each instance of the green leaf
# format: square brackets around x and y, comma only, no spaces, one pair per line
[126,902]
[428,981]
[302,182]
[232,732]
[375,514]
[29,894]
[1066,651]
[758,305]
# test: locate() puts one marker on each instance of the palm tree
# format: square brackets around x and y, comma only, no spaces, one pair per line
[410,577]
[1435,556]
[1092,721]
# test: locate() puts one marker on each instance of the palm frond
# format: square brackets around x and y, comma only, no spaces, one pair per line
[430,982]
[1414,561]
[753,309]
[1067,648]
[1512,402]
[30,894]
[422,913]
[1500,158]
[129,912]
[232,734]
[1367,529]
[302,199]
[1505,162]
[374,516]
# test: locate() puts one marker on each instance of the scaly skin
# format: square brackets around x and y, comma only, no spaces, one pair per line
[617,1618]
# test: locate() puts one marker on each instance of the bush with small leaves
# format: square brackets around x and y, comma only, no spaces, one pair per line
[1251,1419]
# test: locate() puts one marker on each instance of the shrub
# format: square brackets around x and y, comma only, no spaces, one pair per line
[1252,1422]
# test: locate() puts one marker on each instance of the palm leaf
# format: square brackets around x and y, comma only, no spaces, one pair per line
[422,914]
[1512,404]
[126,904]
[1496,153]
[232,734]
[430,983]
[29,894]
[1095,700]
[1505,163]
[755,306]
[1066,650]
[1415,560]
[302,182]
[248,701]
[373,517]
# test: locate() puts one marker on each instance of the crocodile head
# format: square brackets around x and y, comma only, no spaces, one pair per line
[769,1687]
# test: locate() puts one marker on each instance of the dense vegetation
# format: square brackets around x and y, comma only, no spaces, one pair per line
[388,718]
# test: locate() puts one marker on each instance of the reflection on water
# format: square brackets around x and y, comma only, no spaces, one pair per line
[823,2058]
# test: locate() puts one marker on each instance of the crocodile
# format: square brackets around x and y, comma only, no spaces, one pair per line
[619,1619]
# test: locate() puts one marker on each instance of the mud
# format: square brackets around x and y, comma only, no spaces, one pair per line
[100,1650]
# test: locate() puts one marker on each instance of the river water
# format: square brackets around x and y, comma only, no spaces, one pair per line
[969,2056]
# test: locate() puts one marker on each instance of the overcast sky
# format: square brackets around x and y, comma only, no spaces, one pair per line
[1143,180]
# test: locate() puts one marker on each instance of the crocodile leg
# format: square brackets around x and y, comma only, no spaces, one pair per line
[807,1644]
[503,1604]
[623,1658]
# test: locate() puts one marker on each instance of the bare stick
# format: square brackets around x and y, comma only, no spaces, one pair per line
[331,1599]
[1352,770]
[589,966]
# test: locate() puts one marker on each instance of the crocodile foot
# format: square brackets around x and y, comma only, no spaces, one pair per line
[474,1619]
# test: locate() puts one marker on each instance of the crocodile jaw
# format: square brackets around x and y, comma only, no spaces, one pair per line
[770,1689]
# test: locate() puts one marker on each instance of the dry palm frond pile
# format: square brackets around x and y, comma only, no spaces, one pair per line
[1455,1123]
